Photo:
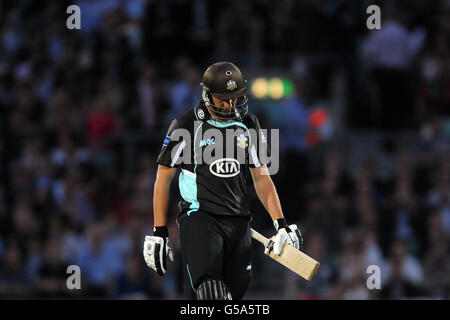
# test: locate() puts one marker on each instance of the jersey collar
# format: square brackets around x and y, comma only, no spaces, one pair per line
[202,114]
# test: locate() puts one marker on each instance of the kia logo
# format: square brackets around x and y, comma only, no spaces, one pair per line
[225,168]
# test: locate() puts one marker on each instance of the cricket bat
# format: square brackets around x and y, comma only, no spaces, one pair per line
[291,258]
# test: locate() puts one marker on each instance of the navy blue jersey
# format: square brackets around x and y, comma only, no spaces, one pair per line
[214,158]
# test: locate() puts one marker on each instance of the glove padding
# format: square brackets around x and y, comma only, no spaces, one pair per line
[286,234]
[156,249]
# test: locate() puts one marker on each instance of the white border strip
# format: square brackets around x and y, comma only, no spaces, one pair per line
[177,154]
[254,156]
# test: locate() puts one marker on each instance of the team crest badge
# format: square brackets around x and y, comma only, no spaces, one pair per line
[242,141]
[231,85]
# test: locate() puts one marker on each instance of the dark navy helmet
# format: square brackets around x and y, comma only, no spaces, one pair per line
[224,81]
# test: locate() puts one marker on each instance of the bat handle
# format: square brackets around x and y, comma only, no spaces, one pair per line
[259,237]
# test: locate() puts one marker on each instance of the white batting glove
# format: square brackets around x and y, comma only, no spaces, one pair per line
[286,234]
[156,249]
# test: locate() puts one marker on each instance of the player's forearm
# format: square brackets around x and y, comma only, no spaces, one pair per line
[160,202]
[267,194]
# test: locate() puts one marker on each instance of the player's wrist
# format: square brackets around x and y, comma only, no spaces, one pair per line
[161,231]
[280,223]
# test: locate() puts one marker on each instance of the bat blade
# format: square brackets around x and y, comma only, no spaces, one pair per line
[296,261]
[293,259]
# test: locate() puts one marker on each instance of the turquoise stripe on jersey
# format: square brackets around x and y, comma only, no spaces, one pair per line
[187,182]
[226,124]
[190,278]
[195,149]
[188,189]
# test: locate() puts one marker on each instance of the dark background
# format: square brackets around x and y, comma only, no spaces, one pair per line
[364,140]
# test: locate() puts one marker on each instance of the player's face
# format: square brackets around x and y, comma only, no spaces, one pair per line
[228,105]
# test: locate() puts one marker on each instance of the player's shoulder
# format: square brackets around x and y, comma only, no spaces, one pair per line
[250,120]
[184,120]
[251,117]
[187,116]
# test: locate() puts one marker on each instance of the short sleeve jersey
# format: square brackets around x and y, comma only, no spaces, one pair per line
[214,158]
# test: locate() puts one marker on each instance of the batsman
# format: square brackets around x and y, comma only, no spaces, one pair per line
[214,218]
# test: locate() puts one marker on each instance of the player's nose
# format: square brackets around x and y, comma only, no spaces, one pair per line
[229,103]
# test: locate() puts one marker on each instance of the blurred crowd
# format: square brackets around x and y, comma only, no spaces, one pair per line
[84,113]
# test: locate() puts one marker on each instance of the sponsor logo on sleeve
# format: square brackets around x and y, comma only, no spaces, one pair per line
[166,141]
